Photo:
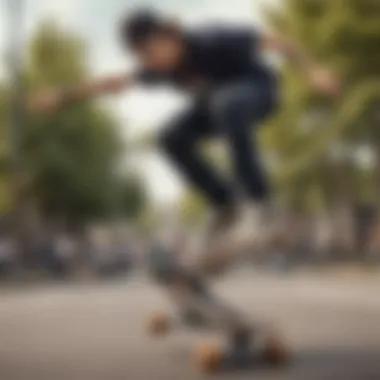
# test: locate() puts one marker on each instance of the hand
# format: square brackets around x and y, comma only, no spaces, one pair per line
[324,81]
[48,102]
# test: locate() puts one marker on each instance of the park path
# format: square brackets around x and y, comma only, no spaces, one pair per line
[96,332]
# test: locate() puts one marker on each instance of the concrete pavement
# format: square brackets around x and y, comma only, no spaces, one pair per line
[96,332]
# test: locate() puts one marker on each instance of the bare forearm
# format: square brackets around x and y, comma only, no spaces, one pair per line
[297,57]
[289,50]
[52,100]
[84,91]
[319,77]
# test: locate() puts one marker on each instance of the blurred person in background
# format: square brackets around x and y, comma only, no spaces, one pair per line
[233,92]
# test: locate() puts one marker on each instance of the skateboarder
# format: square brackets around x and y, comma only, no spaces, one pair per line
[233,92]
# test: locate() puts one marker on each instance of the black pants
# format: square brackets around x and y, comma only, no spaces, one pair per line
[231,112]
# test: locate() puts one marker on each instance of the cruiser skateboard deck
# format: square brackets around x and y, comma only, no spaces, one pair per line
[246,343]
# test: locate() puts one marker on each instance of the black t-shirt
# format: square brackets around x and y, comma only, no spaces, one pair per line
[215,56]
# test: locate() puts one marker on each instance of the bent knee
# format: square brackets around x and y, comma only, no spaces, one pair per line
[232,105]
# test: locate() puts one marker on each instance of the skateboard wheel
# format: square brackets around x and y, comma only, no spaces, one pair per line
[275,352]
[159,324]
[208,357]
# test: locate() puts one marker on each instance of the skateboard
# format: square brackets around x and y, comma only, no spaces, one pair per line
[246,343]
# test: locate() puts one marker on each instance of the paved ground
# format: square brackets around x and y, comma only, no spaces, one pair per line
[97,332]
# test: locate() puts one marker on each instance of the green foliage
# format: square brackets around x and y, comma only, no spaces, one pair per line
[56,57]
[191,208]
[345,36]
[132,198]
[71,157]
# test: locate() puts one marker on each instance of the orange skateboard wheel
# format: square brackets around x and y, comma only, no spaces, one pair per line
[208,357]
[275,351]
[159,324]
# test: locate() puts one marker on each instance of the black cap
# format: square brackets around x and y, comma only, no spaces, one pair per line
[137,27]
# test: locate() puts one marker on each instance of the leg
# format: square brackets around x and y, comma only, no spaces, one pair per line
[236,108]
[179,141]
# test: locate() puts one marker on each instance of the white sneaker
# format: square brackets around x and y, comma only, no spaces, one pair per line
[221,221]
[215,234]
[255,226]
[247,230]
[262,228]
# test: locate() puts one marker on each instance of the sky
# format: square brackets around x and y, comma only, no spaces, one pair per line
[139,110]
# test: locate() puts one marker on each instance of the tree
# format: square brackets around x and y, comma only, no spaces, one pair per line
[71,157]
[4,153]
[131,198]
[191,208]
[315,139]
[343,35]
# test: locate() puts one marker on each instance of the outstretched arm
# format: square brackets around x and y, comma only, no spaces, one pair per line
[319,77]
[52,100]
